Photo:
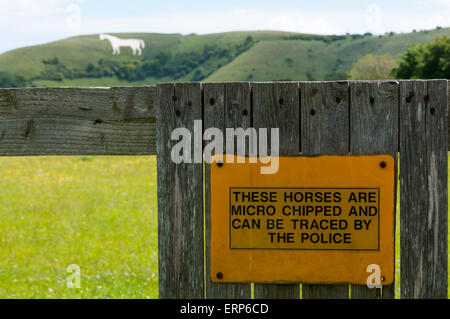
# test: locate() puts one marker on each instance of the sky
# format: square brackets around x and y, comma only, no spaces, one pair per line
[30,22]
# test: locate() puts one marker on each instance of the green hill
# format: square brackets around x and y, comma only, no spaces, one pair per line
[232,56]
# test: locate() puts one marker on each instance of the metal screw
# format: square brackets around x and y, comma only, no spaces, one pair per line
[383,164]
[383,279]
[219,164]
[219,275]
[313,112]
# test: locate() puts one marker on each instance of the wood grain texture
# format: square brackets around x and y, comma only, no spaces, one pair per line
[180,197]
[448,105]
[437,226]
[277,105]
[373,130]
[423,187]
[224,106]
[77,121]
[325,130]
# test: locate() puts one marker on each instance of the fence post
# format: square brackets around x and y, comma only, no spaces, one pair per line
[225,105]
[374,130]
[325,130]
[276,105]
[423,187]
[180,196]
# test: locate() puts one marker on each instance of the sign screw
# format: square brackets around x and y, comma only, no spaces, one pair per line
[220,164]
[219,275]
[383,279]
[383,164]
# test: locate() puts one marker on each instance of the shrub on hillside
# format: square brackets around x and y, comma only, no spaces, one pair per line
[426,61]
[372,67]
[10,80]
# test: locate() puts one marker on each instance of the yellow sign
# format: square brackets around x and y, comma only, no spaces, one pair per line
[322,219]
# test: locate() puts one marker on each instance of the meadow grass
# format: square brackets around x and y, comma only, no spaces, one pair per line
[99,213]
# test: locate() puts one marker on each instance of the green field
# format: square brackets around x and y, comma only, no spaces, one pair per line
[99,213]
[275,56]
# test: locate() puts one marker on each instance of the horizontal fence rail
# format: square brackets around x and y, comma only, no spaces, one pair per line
[79,121]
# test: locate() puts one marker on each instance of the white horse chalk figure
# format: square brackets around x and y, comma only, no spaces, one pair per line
[135,44]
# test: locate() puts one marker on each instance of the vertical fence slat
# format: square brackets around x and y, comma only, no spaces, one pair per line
[373,130]
[324,130]
[276,105]
[423,186]
[437,141]
[225,105]
[448,105]
[180,196]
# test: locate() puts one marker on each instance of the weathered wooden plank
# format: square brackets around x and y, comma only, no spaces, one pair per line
[180,196]
[448,105]
[423,187]
[77,121]
[277,105]
[325,130]
[373,130]
[437,163]
[224,106]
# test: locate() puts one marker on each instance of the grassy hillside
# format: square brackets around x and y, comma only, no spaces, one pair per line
[313,60]
[273,55]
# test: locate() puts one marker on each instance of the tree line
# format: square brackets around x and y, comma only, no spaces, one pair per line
[162,64]
[419,61]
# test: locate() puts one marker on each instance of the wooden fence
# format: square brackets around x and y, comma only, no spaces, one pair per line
[390,117]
